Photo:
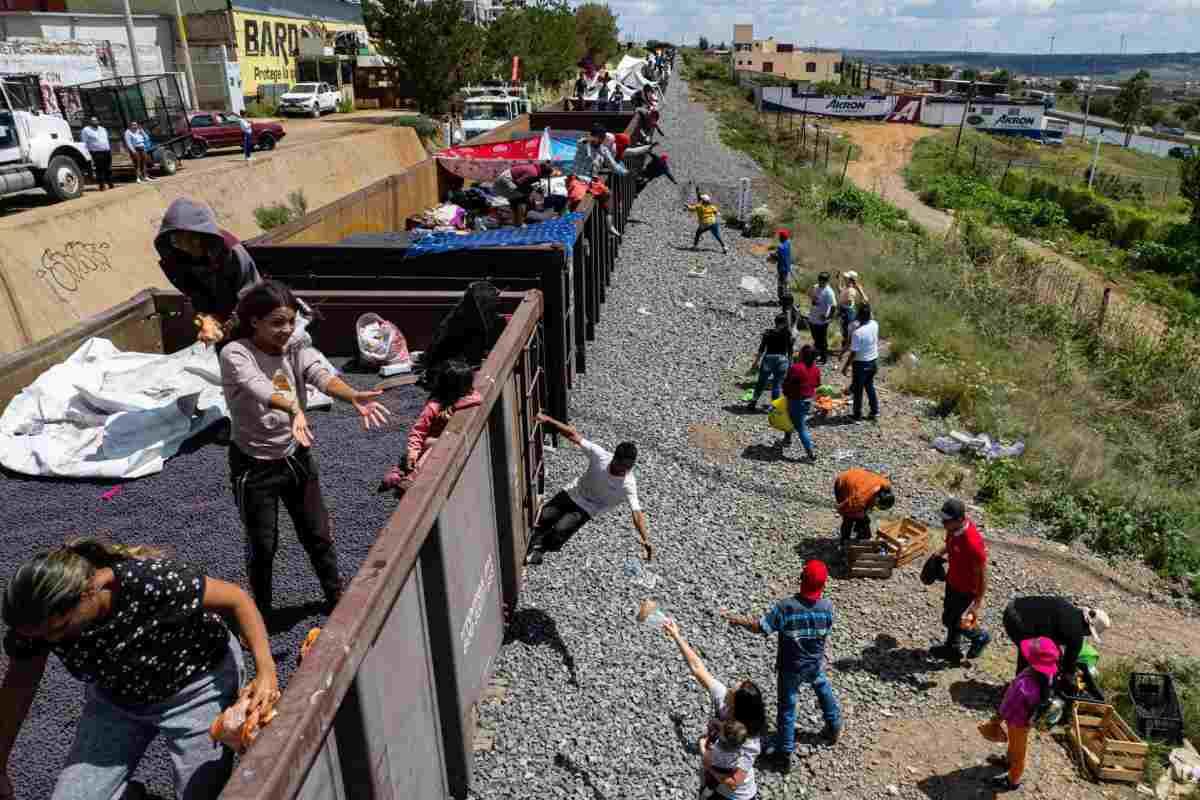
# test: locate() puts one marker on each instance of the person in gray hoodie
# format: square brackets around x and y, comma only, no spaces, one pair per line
[208,264]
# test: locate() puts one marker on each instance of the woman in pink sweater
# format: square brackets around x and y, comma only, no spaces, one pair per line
[453,392]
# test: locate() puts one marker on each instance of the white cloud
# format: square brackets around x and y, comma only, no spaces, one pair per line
[1010,25]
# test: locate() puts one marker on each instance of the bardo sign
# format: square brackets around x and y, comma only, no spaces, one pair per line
[268,45]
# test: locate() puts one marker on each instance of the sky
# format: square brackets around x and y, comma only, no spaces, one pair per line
[1079,26]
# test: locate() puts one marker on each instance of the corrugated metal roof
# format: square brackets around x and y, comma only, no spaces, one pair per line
[333,10]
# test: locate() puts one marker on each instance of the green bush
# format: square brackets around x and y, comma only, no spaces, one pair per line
[424,126]
[1159,257]
[852,203]
[259,109]
[1023,216]
[278,214]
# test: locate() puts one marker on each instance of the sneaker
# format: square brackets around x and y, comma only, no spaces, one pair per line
[946,653]
[998,760]
[872,417]
[786,441]
[1001,783]
[149,178]
[780,761]
[831,734]
[534,557]
[613,230]
[139,180]
[977,646]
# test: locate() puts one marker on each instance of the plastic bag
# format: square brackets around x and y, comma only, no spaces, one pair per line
[380,343]
[778,417]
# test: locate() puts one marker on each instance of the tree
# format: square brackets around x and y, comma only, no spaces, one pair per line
[969,75]
[1154,115]
[596,33]
[1131,104]
[541,35]
[703,42]
[1187,113]
[1001,77]
[1068,86]
[1189,184]
[431,43]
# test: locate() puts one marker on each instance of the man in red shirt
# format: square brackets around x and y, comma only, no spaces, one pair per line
[966,583]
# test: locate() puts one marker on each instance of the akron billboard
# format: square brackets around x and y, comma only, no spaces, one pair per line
[790,100]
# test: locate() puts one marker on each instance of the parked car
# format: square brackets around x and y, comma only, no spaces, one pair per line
[212,130]
[1182,152]
[309,98]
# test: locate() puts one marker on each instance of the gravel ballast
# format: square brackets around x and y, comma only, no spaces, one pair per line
[597,705]
[188,510]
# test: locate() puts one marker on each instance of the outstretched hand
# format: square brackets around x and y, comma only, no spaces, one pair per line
[671,629]
[373,414]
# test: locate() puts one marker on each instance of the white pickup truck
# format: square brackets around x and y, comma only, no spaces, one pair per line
[488,107]
[309,98]
[37,149]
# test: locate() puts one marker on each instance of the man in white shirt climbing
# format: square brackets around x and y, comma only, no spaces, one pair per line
[609,480]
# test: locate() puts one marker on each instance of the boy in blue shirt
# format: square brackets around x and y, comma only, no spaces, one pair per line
[803,622]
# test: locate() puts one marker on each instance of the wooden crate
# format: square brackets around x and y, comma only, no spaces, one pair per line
[907,538]
[1103,741]
[865,560]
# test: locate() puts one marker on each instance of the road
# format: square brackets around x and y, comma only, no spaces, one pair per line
[298,131]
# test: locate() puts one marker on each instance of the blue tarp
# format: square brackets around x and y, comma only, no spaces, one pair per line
[560,231]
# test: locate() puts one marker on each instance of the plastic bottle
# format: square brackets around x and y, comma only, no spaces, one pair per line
[650,614]
[638,574]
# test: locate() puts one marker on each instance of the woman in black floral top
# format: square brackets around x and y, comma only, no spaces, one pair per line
[149,637]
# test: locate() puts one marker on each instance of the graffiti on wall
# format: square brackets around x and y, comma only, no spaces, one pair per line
[68,268]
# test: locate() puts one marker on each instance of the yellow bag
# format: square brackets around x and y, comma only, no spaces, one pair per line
[778,417]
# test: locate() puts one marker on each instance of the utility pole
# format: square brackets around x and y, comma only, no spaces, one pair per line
[187,56]
[963,119]
[1095,160]
[133,53]
[1087,102]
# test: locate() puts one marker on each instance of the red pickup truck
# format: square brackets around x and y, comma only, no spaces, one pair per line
[213,130]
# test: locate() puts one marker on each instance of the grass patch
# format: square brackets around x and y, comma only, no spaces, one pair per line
[1110,420]
[277,214]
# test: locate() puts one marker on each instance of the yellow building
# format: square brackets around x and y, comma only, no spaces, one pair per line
[268,44]
[783,59]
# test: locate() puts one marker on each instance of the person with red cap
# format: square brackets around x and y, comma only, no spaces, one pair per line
[1028,691]
[966,583]
[803,622]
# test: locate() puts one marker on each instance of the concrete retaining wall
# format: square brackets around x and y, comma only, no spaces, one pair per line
[63,263]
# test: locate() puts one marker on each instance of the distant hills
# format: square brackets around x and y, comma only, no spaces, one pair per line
[1164,66]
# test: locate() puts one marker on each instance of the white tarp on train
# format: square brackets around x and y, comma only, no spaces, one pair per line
[790,100]
[107,414]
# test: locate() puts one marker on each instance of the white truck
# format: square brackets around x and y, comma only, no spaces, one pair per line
[36,148]
[309,98]
[486,108]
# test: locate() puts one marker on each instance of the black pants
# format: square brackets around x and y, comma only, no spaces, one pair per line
[258,488]
[863,380]
[559,521]
[954,606]
[861,528]
[102,163]
[820,334]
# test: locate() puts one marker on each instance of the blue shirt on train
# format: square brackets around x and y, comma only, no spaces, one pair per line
[803,626]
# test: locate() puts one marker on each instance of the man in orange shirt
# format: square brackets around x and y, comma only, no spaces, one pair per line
[858,492]
[966,583]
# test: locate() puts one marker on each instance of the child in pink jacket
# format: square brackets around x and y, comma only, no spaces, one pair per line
[452,393]
[1015,716]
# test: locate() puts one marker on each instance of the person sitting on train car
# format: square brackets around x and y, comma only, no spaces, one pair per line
[609,480]
[454,392]
[205,262]
[151,639]
[591,152]
[517,183]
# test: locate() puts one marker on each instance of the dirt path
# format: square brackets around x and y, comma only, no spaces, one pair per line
[887,149]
